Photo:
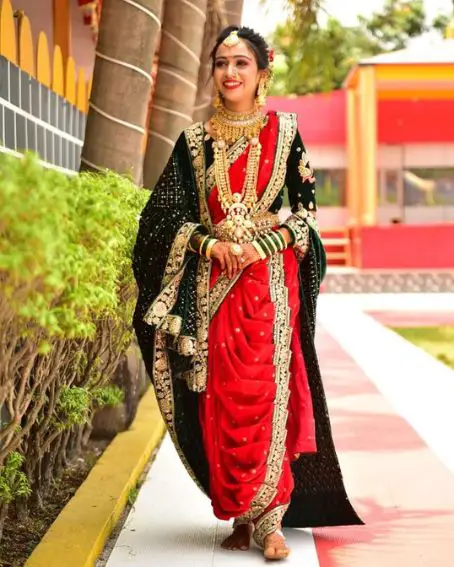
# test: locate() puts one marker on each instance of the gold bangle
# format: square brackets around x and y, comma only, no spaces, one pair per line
[259,249]
[210,245]
[202,243]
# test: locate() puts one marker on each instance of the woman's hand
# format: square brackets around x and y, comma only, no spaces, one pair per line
[250,255]
[231,263]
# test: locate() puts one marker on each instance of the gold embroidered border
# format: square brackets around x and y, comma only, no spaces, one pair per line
[178,251]
[197,378]
[172,324]
[219,292]
[158,312]
[308,216]
[162,381]
[300,232]
[268,524]
[194,138]
[287,132]
[281,361]
[185,345]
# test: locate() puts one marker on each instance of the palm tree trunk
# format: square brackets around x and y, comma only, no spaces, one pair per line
[215,22]
[234,11]
[121,86]
[176,83]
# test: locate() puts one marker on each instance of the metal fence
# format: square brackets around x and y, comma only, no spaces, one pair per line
[33,117]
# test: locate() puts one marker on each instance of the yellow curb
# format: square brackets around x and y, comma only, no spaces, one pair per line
[78,535]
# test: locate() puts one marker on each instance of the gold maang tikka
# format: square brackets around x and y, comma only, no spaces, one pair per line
[232,39]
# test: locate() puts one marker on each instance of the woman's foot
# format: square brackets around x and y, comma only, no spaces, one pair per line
[275,546]
[240,540]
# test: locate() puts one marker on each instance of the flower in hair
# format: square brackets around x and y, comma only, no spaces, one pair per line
[271,55]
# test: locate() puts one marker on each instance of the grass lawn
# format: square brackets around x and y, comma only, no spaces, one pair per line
[437,341]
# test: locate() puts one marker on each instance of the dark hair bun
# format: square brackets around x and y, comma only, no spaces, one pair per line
[255,41]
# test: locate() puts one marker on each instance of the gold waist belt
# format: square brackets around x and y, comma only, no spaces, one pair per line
[244,229]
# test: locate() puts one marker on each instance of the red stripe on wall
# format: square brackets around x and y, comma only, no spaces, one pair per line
[321,117]
[407,246]
[406,121]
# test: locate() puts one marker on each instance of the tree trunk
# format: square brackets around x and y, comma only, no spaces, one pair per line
[214,24]
[121,86]
[176,83]
[234,11]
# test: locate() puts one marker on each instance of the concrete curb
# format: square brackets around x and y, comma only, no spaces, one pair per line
[78,535]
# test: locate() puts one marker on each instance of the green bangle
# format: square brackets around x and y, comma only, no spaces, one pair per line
[272,242]
[292,234]
[202,244]
[259,249]
[265,245]
[280,236]
[211,243]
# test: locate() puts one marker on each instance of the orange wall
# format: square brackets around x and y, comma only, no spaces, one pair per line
[83,47]
[40,14]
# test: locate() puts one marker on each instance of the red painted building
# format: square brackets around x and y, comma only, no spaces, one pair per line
[415,179]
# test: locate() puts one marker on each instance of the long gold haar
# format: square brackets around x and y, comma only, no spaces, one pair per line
[228,127]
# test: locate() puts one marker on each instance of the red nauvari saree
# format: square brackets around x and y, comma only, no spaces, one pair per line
[233,362]
[256,412]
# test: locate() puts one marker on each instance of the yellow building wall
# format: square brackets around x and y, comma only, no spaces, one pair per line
[34,53]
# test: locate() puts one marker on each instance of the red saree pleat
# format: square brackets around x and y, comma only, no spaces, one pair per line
[236,410]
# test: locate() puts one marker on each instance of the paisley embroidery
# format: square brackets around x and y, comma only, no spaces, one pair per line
[305,170]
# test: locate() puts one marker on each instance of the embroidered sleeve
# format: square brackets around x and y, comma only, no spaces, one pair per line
[300,182]
[300,178]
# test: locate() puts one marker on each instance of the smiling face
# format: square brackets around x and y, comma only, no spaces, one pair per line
[236,75]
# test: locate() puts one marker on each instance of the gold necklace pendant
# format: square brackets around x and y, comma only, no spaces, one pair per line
[238,221]
[237,206]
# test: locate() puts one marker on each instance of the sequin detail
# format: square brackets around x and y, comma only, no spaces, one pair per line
[194,137]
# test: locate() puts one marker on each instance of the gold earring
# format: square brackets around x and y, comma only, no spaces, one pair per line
[217,103]
[262,92]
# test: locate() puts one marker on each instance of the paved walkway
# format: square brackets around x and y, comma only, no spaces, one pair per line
[393,423]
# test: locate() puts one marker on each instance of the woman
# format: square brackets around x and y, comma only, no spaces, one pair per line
[226,311]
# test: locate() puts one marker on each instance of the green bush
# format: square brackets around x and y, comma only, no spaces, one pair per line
[13,482]
[66,299]
[65,244]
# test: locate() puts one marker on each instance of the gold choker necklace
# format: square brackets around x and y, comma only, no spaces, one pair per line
[230,126]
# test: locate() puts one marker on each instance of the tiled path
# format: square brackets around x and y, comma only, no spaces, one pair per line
[393,423]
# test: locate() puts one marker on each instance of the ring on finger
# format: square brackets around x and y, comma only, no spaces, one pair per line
[236,249]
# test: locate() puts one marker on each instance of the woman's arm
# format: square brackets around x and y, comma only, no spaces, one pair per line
[300,182]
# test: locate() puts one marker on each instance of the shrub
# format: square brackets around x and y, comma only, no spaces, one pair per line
[66,300]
